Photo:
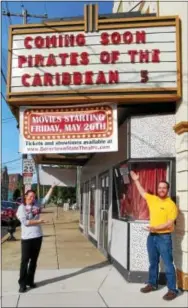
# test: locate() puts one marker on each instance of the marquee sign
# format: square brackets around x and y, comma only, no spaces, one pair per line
[68,130]
[95,59]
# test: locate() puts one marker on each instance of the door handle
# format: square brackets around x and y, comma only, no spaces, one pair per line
[104,215]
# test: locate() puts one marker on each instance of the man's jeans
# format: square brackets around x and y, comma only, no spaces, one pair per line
[161,245]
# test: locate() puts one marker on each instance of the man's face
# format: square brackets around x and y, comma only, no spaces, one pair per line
[162,190]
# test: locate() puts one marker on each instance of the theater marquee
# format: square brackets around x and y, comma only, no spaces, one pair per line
[95,59]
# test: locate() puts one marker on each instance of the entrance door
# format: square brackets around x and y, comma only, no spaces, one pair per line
[104,207]
[86,208]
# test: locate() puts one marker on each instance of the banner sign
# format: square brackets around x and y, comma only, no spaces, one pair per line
[68,130]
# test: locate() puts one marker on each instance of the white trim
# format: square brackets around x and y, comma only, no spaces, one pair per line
[94,178]
[92,235]
[81,203]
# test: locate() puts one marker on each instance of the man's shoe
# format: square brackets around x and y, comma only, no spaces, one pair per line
[148,288]
[170,295]
[22,289]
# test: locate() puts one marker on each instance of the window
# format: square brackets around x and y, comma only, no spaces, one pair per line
[105,192]
[92,205]
[127,202]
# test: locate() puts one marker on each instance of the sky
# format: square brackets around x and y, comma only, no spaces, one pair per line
[55,9]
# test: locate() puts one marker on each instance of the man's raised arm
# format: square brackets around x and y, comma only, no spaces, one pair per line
[135,178]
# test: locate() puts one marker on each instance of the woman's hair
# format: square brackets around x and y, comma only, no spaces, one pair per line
[29,191]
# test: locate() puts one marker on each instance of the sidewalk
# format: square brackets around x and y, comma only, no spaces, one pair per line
[64,246]
[73,273]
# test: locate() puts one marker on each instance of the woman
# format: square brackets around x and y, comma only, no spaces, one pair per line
[31,237]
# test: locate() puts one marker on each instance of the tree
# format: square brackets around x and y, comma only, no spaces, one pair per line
[61,194]
[16,194]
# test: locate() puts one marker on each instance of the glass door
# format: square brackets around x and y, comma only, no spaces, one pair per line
[104,208]
[86,208]
[81,204]
[92,206]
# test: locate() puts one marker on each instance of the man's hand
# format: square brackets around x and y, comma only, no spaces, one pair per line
[163,227]
[150,229]
[134,176]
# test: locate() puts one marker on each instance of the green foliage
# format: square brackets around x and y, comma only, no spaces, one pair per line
[34,188]
[60,194]
[63,194]
[20,185]
[16,194]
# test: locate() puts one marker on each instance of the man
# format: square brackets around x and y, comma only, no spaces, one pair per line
[163,213]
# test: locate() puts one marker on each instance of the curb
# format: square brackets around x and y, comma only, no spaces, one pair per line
[5,237]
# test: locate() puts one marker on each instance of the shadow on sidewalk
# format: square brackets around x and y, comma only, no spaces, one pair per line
[68,222]
[82,271]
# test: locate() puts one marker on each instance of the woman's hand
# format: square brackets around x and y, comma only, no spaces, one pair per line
[36,222]
[55,184]
[42,221]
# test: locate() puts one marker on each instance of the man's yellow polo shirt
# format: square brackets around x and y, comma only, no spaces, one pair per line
[161,211]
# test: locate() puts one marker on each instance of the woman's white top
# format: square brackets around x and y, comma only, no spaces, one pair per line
[31,212]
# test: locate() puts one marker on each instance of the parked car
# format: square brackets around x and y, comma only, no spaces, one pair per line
[8,210]
[19,200]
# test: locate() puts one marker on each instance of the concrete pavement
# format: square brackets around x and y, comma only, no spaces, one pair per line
[72,273]
[97,286]
[63,246]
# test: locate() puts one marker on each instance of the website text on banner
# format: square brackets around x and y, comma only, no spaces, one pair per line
[68,130]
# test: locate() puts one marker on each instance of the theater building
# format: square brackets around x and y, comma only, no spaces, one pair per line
[108,93]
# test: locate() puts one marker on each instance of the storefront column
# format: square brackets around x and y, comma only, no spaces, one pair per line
[181,234]
[181,129]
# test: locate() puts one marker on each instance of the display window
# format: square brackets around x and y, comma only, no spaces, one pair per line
[127,202]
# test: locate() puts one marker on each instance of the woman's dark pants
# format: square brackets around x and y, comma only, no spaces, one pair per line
[30,252]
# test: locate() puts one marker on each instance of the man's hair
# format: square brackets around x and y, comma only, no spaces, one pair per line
[167,184]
